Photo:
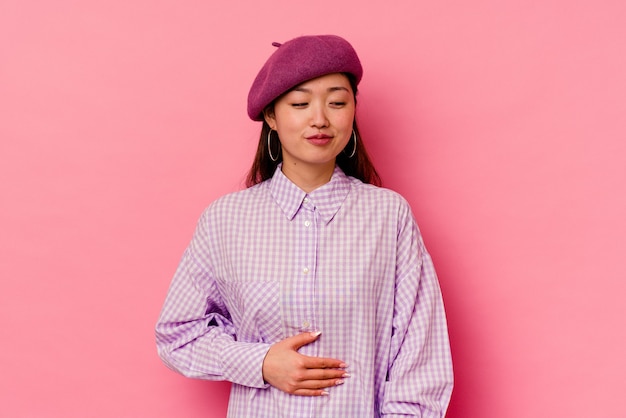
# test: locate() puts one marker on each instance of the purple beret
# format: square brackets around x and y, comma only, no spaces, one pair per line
[297,61]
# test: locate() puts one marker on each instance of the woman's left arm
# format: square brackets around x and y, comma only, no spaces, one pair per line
[420,378]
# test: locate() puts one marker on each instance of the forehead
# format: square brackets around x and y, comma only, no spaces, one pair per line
[328,82]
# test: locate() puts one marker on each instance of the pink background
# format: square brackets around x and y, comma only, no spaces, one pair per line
[503,123]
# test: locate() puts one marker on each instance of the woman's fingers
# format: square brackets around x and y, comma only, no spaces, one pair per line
[322,374]
[323,363]
[320,384]
[316,387]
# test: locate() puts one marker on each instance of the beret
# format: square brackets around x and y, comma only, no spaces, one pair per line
[297,61]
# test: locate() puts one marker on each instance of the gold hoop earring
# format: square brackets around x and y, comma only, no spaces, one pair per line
[269,146]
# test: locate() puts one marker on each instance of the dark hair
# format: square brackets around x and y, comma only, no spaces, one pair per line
[359,165]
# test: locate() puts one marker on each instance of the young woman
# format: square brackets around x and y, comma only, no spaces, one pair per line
[311,290]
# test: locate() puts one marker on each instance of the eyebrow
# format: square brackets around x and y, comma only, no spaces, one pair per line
[330,89]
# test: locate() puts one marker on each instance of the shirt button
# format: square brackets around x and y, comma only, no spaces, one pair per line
[306,200]
[305,270]
[306,324]
[307,223]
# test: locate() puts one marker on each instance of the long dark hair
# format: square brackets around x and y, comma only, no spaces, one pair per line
[359,165]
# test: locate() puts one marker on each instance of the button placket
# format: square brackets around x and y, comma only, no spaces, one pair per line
[307,256]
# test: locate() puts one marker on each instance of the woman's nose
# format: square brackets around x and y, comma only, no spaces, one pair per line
[318,116]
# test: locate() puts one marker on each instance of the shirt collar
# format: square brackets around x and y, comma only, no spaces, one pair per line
[326,199]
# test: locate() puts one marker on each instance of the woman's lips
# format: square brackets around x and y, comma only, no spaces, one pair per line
[319,139]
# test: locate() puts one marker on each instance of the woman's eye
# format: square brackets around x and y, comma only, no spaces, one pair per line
[338,104]
[299,104]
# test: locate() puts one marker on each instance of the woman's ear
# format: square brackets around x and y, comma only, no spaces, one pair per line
[268,115]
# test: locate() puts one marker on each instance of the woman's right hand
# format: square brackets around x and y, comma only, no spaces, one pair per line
[297,374]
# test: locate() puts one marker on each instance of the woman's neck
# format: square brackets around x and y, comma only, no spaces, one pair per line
[308,177]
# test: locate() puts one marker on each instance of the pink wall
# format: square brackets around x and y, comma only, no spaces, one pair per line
[501,122]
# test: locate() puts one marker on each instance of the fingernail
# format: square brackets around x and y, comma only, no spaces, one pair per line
[316,333]
[339,382]
[343,366]
[346,375]
[324,393]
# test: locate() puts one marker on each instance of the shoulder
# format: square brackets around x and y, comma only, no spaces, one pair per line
[237,202]
[380,196]
[385,204]
[241,196]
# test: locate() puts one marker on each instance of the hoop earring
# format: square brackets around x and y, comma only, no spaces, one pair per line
[354,148]
[269,146]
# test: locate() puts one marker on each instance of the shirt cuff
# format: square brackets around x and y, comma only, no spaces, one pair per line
[242,363]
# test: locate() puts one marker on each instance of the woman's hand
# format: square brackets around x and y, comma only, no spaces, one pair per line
[297,374]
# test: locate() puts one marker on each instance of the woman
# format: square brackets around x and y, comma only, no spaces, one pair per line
[311,290]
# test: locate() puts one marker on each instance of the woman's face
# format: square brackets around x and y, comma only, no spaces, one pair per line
[314,121]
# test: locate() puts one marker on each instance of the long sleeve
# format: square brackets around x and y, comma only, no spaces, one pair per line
[420,378]
[195,334]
